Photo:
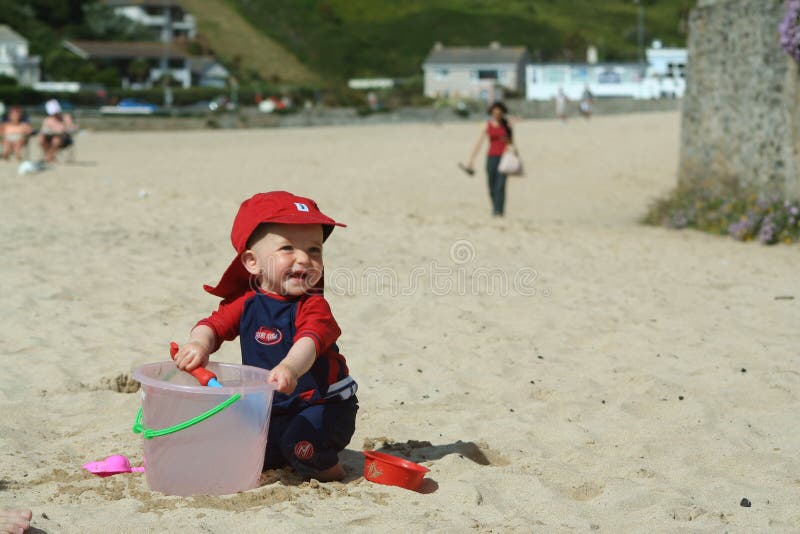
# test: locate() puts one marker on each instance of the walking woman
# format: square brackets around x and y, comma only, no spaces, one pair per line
[498,131]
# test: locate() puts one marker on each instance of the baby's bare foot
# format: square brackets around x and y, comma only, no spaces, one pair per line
[14,521]
[331,474]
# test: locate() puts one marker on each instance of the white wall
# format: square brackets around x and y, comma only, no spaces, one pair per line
[542,82]
[463,80]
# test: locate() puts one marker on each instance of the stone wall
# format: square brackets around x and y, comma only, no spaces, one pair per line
[249,117]
[741,119]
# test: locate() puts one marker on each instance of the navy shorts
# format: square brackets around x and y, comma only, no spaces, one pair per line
[310,440]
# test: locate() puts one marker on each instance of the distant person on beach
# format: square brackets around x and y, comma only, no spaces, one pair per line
[272,299]
[14,521]
[56,132]
[498,130]
[587,100]
[16,132]
[561,104]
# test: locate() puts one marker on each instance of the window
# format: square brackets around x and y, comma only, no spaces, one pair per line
[579,74]
[609,76]
[441,74]
[487,74]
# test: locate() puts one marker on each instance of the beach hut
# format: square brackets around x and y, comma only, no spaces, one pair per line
[471,72]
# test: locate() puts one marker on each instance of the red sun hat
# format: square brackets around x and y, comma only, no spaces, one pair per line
[274,207]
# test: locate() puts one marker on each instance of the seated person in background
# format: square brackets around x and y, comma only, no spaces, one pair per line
[16,132]
[56,130]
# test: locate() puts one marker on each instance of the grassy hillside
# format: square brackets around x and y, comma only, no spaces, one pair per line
[46,22]
[239,43]
[345,38]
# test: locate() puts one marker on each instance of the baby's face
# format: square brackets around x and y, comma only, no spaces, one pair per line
[288,259]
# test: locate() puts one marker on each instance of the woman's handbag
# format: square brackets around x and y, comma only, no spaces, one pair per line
[510,164]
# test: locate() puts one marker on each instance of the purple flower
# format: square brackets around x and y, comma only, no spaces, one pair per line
[743,228]
[767,233]
[794,210]
[790,31]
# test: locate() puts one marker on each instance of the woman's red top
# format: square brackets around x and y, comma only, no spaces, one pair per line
[498,139]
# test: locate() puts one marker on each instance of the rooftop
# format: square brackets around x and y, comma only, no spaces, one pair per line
[151,3]
[466,55]
[9,35]
[125,50]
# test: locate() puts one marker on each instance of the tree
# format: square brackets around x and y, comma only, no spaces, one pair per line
[139,69]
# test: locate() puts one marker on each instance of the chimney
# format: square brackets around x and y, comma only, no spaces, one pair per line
[591,55]
[438,45]
[494,45]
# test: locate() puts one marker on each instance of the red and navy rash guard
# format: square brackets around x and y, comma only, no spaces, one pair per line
[268,325]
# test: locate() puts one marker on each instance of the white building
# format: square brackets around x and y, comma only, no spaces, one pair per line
[208,72]
[661,77]
[480,73]
[155,14]
[667,67]
[14,59]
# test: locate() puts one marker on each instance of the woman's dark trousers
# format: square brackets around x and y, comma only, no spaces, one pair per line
[497,185]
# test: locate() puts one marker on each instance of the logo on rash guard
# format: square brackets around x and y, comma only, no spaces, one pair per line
[268,336]
[304,450]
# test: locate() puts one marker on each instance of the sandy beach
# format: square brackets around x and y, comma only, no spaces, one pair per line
[562,369]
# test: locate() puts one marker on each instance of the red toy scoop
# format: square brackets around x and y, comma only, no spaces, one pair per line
[203,375]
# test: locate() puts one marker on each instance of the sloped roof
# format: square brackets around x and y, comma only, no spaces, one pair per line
[7,34]
[202,65]
[467,54]
[125,50]
[153,3]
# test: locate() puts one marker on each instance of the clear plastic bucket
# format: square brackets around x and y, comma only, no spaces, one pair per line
[219,455]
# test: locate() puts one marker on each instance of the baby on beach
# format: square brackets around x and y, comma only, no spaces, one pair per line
[272,299]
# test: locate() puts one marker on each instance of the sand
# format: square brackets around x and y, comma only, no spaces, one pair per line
[564,369]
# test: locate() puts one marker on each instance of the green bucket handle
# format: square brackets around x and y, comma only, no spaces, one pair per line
[149,433]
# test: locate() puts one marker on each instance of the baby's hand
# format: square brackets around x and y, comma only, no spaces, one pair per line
[283,378]
[191,356]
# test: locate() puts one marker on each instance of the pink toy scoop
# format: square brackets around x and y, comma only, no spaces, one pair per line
[112,465]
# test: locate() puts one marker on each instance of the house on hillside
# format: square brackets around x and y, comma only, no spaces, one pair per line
[140,63]
[14,59]
[166,18]
[481,73]
[208,72]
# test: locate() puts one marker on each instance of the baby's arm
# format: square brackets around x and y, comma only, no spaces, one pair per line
[195,353]
[209,333]
[296,363]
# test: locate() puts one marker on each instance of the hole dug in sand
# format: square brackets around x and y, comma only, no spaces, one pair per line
[122,383]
